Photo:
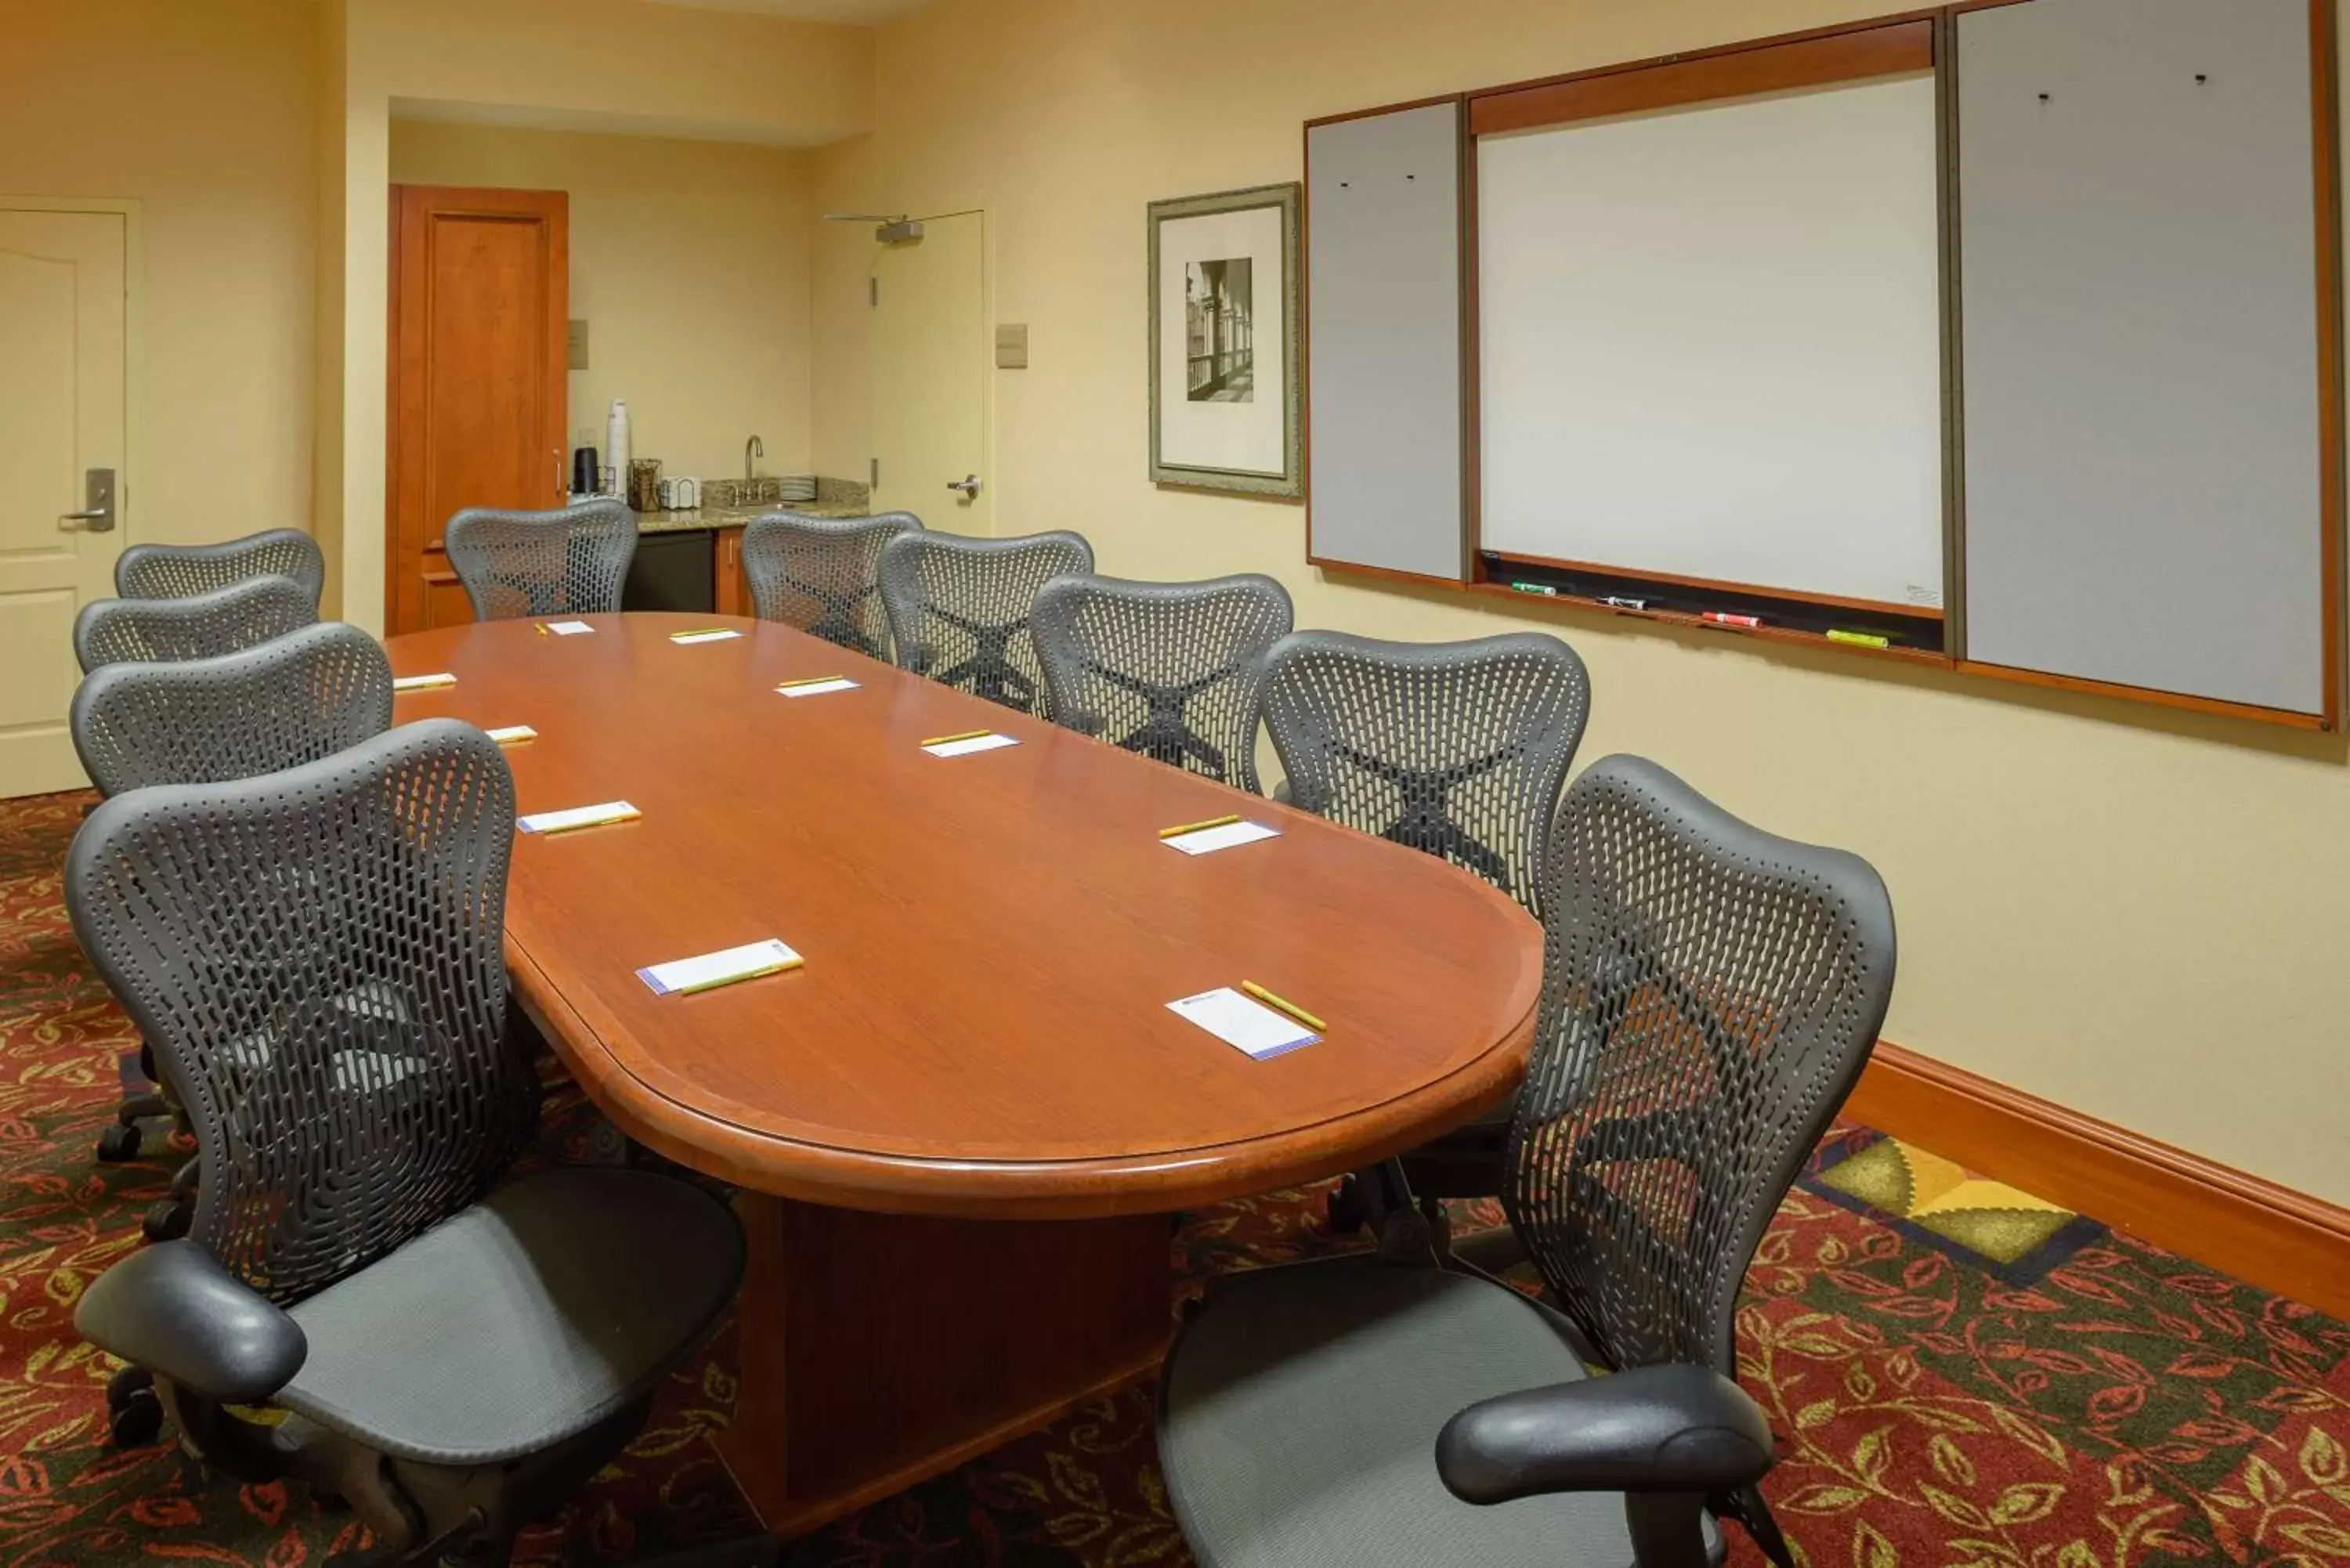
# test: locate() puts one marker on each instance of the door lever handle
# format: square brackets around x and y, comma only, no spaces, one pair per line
[968,485]
[97,497]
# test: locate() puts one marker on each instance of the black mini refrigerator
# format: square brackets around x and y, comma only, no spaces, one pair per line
[671,572]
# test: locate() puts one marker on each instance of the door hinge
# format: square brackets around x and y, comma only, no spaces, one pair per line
[875,483]
[875,284]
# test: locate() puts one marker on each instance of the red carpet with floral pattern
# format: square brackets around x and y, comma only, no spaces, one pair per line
[2051,1396]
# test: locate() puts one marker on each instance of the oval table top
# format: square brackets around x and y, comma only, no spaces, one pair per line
[981,1026]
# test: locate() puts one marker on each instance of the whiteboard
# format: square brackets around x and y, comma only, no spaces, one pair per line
[1711,342]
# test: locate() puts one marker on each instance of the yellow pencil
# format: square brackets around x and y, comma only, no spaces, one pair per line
[966,735]
[699,631]
[805,680]
[594,821]
[1197,826]
[1291,1008]
[730,979]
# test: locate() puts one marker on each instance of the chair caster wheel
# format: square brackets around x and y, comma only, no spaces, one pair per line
[166,1221]
[134,1411]
[117,1143]
[126,1385]
[1344,1208]
[1405,1236]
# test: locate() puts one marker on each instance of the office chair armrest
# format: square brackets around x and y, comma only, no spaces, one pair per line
[1651,1429]
[174,1310]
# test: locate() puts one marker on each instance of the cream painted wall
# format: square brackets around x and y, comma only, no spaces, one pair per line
[690,264]
[623,64]
[204,115]
[2141,914]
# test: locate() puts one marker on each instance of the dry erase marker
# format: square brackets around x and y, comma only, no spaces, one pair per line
[1619,601]
[1860,638]
[1182,828]
[966,735]
[1543,589]
[1291,1008]
[1723,617]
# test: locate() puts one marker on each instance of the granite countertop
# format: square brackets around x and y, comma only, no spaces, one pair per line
[735,516]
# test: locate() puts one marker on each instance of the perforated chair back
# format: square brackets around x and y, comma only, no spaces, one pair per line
[519,564]
[303,696]
[1168,670]
[176,571]
[1710,992]
[959,608]
[315,956]
[200,626]
[823,575]
[1458,749]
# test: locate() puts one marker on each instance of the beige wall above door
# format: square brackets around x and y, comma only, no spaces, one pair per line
[929,338]
[64,327]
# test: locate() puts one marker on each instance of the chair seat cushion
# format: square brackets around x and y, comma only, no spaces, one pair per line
[1299,1412]
[551,1304]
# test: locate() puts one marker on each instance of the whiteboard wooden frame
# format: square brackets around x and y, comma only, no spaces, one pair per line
[1853,58]
[1728,62]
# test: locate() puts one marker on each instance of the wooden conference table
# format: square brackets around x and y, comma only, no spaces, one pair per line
[959,1128]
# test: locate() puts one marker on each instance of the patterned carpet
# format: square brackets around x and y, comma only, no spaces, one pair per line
[1959,1372]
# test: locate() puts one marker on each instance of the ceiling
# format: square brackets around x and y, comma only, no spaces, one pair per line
[858,13]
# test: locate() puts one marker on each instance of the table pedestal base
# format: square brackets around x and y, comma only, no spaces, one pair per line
[878,1350]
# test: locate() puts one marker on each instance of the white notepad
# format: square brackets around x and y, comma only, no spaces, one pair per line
[746,962]
[423,682]
[717,634]
[1230,836]
[819,688]
[512,734]
[566,628]
[577,816]
[1243,1024]
[965,748]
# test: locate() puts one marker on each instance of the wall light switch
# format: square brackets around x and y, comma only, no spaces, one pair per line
[575,342]
[1011,346]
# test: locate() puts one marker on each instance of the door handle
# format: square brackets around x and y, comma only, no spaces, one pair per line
[96,516]
[968,485]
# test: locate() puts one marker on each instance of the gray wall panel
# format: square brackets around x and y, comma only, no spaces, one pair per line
[2137,259]
[1383,324]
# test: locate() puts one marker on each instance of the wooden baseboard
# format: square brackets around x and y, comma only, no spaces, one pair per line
[2262,1233]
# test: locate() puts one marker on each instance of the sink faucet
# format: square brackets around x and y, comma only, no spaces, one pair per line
[751,449]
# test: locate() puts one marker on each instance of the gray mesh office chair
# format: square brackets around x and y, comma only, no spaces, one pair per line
[315,954]
[1458,749]
[176,571]
[822,574]
[959,608]
[200,626]
[1710,994]
[309,694]
[515,564]
[1168,670]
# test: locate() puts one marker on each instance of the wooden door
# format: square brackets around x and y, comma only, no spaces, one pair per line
[62,339]
[733,587]
[479,300]
[930,358]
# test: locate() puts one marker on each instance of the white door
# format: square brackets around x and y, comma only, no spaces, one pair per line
[62,314]
[931,357]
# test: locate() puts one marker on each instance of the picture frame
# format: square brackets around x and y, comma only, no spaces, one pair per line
[1227,412]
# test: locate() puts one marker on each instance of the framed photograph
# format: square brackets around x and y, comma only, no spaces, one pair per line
[1224,343]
